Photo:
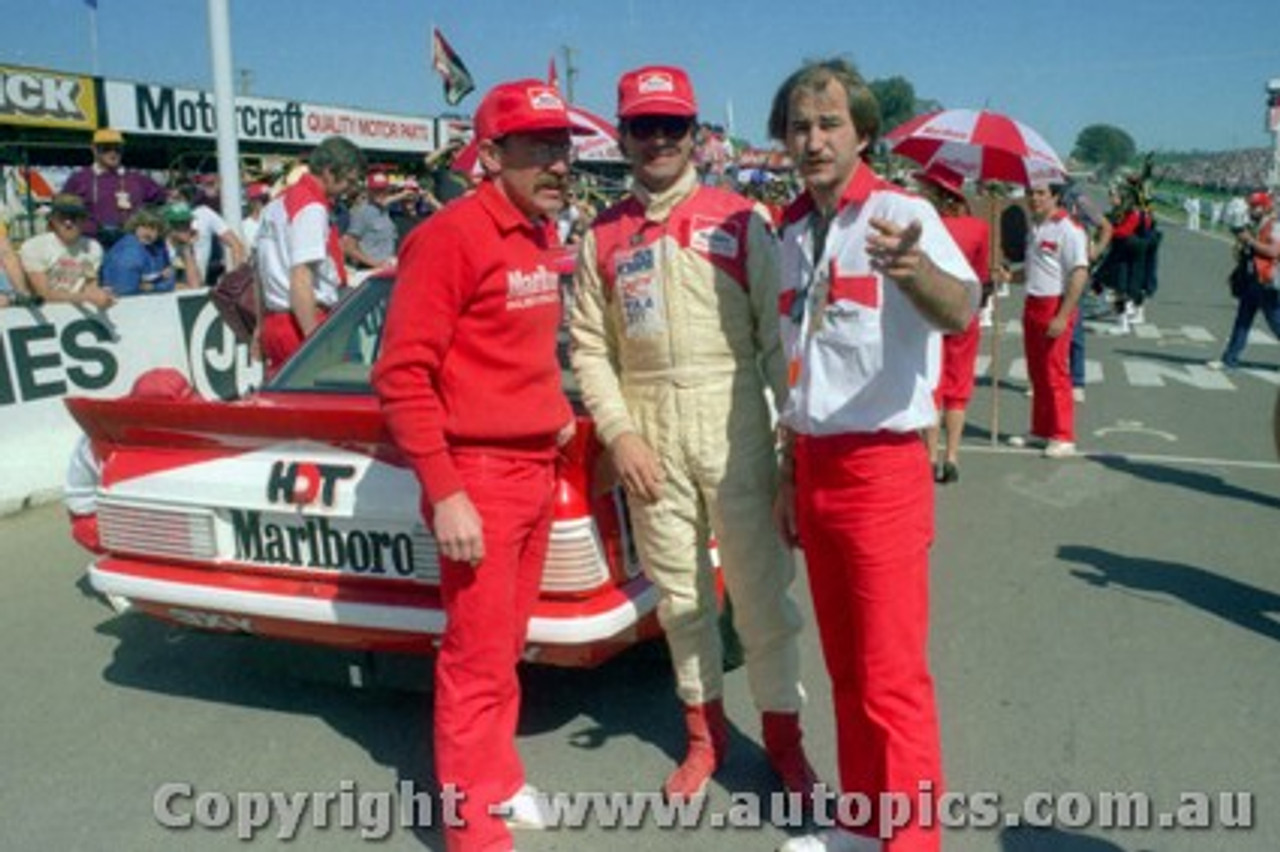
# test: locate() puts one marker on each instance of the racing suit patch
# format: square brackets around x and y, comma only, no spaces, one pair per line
[714,236]
[640,289]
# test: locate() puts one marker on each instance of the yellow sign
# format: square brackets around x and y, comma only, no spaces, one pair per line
[35,97]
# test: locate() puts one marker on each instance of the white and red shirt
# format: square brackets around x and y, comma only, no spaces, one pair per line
[1055,248]
[861,357]
[296,230]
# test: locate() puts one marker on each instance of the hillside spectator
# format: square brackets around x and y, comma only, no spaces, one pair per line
[139,262]
[208,225]
[62,264]
[181,239]
[13,281]
[110,192]
[371,237]
[257,196]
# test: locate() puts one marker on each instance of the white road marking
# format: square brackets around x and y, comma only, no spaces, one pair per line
[1149,374]
[1134,427]
[986,449]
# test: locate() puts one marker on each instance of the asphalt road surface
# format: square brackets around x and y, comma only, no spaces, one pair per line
[1106,624]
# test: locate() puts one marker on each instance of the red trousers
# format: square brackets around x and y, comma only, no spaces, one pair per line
[282,336]
[864,504]
[477,693]
[1049,368]
[959,357]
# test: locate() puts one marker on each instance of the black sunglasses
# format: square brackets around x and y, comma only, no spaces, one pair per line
[670,126]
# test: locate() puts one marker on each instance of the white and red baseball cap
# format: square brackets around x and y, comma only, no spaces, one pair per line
[656,90]
[521,106]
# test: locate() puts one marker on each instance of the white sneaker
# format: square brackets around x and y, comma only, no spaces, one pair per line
[525,810]
[1139,315]
[1077,394]
[986,317]
[831,840]
[1059,450]
[1022,441]
[1002,291]
[1215,364]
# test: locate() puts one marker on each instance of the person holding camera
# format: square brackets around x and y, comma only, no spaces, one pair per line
[1254,279]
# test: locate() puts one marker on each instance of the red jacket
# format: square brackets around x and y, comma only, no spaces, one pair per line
[468,359]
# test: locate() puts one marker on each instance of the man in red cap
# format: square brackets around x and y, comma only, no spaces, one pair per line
[944,187]
[470,387]
[675,334]
[370,239]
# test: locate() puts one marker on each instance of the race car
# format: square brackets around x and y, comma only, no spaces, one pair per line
[291,514]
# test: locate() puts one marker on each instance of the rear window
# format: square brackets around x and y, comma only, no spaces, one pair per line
[339,357]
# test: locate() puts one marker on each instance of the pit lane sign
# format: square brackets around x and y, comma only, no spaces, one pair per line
[144,109]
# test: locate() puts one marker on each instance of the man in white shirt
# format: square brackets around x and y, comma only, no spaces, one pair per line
[62,264]
[1056,272]
[870,279]
[299,256]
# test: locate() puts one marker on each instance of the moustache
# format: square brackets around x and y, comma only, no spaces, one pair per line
[550,183]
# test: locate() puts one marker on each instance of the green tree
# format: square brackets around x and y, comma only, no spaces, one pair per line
[1105,146]
[897,99]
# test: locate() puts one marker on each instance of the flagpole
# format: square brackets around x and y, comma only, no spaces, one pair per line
[93,36]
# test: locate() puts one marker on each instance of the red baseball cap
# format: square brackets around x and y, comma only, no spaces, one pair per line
[162,383]
[378,180]
[944,178]
[1260,199]
[521,106]
[257,190]
[656,90]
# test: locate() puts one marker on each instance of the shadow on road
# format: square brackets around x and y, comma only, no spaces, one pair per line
[1239,603]
[631,696]
[1205,483]
[1052,840]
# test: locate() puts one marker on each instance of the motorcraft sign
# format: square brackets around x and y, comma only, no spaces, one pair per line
[166,111]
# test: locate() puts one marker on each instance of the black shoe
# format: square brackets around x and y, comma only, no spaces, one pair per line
[950,473]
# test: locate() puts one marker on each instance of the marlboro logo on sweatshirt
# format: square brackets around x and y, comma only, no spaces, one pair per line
[530,289]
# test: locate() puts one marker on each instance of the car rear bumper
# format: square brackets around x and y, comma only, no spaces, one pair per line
[392,616]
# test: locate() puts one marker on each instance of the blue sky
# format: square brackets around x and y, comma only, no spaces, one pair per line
[1176,74]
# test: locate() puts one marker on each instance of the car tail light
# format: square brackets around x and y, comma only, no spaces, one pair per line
[575,559]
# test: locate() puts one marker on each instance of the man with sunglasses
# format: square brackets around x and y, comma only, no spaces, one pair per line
[111,193]
[470,387]
[675,334]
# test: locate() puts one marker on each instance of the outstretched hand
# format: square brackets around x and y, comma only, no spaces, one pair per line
[895,250]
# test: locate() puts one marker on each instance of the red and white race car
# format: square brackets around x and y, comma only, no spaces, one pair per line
[290,514]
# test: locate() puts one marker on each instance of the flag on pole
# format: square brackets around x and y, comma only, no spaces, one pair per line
[553,78]
[457,79]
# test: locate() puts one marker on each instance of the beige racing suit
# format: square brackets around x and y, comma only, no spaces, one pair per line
[675,327]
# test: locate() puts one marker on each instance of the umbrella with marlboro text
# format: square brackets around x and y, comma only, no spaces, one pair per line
[983,146]
[979,144]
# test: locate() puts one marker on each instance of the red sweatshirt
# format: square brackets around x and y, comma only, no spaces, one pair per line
[468,357]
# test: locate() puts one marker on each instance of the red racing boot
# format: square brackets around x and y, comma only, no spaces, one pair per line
[782,743]
[708,742]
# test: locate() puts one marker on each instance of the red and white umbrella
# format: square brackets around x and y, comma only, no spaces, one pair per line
[979,144]
[594,141]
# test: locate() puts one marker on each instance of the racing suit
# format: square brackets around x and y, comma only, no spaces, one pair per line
[674,332]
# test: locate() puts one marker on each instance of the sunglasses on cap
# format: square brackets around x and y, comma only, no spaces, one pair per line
[648,126]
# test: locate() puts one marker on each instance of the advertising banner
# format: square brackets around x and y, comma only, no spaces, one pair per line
[39,98]
[56,351]
[144,109]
